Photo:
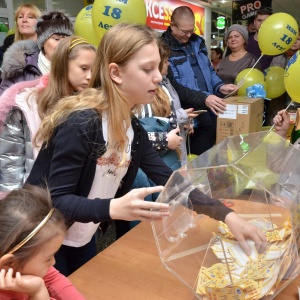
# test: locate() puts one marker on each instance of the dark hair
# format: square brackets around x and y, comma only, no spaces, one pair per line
[53,22]
[21,211]
[180,12]
[264,11]
[250,20]
[218,50]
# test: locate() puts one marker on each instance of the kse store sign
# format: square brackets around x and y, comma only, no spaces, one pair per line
[159,14]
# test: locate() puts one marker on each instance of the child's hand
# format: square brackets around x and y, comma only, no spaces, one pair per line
[189,128]
[33,286]
[174,140]
[190,114]
[243,230]
[132,206]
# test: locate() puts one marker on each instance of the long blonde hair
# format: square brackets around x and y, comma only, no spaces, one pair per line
[161,104]
[59,85]
[35,12]
[118,46]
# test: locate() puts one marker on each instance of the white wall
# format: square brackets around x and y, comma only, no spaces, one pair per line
[73,7]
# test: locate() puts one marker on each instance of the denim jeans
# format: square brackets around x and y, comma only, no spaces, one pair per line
[69,259]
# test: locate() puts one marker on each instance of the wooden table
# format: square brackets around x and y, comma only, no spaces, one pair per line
[130,269]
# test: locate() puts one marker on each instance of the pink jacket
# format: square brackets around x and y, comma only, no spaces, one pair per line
[59,288]
[19,122]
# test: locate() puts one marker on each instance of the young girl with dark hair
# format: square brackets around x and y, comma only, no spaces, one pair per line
[31,231]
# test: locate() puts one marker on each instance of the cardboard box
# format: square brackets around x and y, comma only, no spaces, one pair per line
[242,115]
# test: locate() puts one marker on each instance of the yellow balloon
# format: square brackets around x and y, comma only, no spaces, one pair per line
[191,157]
[291,77]
[277,34]
[274,78]
[11,31]
[84,26]
[107,13]
[254,77]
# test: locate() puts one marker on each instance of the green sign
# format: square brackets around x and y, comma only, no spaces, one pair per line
[221,22]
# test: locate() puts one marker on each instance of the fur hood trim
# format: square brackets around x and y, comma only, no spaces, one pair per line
[14,58]
[8,98]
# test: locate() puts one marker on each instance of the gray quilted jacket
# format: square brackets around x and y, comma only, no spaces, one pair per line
[18,122]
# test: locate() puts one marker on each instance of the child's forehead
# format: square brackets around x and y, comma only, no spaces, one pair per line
[51,246]
[151,48]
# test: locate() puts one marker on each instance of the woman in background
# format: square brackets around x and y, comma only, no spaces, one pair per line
[216,55]
[239,59]
[28,59]
[26,17]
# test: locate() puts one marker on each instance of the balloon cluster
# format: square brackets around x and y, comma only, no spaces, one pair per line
[94,20]
[250,77]
[276,35]
[272,80]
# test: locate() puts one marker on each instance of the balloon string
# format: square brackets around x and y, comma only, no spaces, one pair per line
[253,66]
[241,82]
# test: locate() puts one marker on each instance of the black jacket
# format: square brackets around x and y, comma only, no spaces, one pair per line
[68,167]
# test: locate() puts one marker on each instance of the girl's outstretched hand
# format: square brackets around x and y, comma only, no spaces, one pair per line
[33,286]
[132,206]
[243,230]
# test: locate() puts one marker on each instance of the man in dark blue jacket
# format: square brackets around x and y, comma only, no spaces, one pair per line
[194,78]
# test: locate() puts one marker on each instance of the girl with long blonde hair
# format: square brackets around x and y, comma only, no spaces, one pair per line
[93,146]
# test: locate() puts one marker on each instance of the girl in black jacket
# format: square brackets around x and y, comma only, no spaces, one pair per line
[93,147]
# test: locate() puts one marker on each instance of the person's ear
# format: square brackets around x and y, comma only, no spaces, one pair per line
[6,261]
[115,73]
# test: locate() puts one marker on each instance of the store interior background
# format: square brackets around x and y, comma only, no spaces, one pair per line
[215,8]
[224,8]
